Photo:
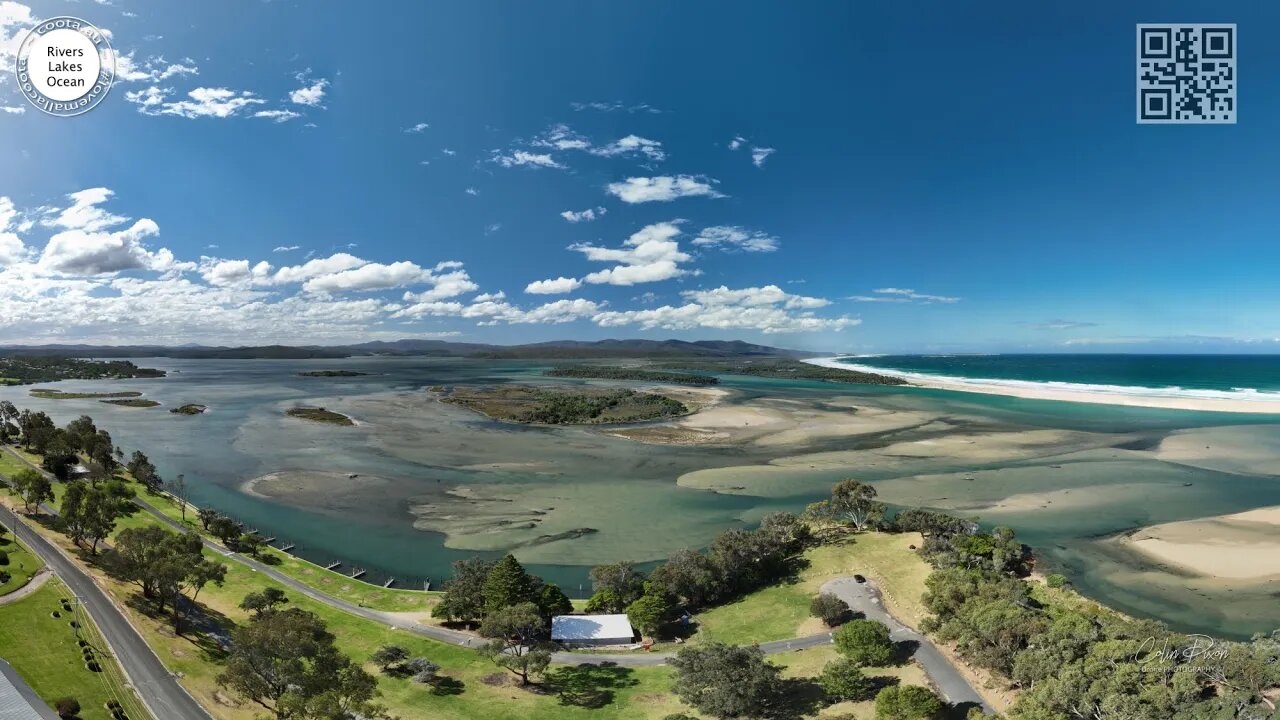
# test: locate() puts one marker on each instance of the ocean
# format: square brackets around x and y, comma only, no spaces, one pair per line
[1241,377]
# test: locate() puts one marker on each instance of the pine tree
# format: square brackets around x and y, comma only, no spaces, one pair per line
[508,584]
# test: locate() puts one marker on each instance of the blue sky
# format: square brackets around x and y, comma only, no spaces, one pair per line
[869,177]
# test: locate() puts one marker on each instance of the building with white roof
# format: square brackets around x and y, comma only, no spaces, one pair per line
[591,630]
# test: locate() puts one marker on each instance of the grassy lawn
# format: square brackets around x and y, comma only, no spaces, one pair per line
[779,612]
[809,663]
[44,651]
[22,564]
[9,464]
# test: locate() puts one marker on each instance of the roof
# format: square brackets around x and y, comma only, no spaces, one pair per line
[590,627]
[17,700]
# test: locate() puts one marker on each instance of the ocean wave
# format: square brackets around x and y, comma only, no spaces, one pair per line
[1172,391]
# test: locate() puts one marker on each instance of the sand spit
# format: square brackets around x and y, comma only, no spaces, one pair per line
[1240,547]
[1080,394]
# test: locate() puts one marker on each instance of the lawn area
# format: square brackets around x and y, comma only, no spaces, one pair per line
[781,611]
[22,564]
[43,649]
[9,464]
[809,663]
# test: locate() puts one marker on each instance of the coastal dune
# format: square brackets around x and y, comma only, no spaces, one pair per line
[1168,399]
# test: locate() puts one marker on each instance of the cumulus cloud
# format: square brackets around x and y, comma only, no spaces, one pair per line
[12,249]
[87,245]
[15,19]
[559,286]
[587,215]
[760,154]
[286,248]
[153,69]
[649,255]
[662,188]
[336,263]
[903,295]
[765,309]
[732,237]
[13,109]
[417,128]
[524,158]
[632,145]
[311,93]
[201,102]
[277,116]
[736,142]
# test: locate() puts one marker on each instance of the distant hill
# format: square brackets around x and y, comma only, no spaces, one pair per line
[557,349]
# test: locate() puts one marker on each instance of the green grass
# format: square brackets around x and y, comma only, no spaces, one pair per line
[43,650]
[781,611]
[22,564]
[132,402]
[319,415]
[50,394]
[809,663]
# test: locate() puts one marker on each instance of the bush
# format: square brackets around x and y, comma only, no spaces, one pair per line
[842,679]
[907,702]
[865,642]
[1055,580]
[67,707]
[831,609]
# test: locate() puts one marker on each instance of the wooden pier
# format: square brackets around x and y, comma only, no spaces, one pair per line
[388,583]
[357,573]
[332,565]
[287,548]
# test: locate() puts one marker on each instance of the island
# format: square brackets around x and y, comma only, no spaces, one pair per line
[333,373]
[782,368]
[31,369]
[320,415]
[189,409]
[606,372]
[569,406]
[132,402]
[51,394]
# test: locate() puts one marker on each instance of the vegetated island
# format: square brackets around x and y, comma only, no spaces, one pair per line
[602,372]
[51,394]
[320,415]
[782,368]
[189,409]
[576,406]
[132,402]
[332,373]
[31,369]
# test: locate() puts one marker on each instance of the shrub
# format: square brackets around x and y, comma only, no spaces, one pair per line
[907,702]
[67,707]
[865,642]
[842,679]
[1055,580]
[831,609]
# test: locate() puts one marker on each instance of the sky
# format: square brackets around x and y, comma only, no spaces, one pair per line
[868,177]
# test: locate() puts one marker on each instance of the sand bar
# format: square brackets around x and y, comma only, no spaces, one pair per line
[1170,399]
[1243,546]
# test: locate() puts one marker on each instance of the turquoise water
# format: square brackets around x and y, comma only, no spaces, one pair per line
[1190,375]
[629,493]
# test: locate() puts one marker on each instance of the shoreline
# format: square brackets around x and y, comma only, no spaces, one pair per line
[1066,392]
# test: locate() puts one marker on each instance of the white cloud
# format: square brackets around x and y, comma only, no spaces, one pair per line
[286,248]
[449,152]
[415,129]
[766,309]
[13,109]
[83,213]
[486,297]
[373,276]
[733,237]
[559,286]
[12,249]
[85,247]
[736,142]
[153,69]
[760,154]
[472,191]
[614,107]
[523,158]
[587,215]
[662,188]
[277,116]
[649,255]
[309,95]
[318,267]
[15,19]
[632,144]
[201,102]
[903,295]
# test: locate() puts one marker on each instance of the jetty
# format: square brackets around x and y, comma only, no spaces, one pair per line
[287,548]
[332,565]
[388,583]
[357,573]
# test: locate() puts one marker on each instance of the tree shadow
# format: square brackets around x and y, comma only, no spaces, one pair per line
[959,712]
[903,651]
[588,686]
[445,685]
[797,698]
[206,629]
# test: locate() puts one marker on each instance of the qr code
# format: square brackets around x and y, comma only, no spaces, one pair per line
[1187,73]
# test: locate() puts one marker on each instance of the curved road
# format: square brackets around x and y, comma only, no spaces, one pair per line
[864,598]
[163,696]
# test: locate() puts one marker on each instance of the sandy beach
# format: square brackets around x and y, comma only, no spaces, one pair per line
[1240,547]
[1067,392]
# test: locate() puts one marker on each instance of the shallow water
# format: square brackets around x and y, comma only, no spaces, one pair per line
[1062,474]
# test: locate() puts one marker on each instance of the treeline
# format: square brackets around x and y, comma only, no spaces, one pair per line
[559,408]
[627,373]
[783,368]
[27,369]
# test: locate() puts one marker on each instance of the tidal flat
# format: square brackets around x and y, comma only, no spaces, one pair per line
[417,483]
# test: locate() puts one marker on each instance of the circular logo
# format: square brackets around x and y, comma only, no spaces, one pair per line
[65,66]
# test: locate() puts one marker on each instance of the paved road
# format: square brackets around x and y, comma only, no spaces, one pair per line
[164,697]
[864,598]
